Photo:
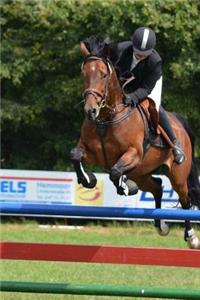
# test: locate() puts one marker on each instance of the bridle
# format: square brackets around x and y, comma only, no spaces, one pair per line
[103,96]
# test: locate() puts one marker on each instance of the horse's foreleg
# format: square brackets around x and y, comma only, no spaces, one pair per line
[87,179]
[126,163]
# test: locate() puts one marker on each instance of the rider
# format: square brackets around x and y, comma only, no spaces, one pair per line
[140,66]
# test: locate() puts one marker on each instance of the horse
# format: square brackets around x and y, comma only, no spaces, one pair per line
[113,136]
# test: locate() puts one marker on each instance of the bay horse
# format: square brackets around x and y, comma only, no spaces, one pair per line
[113,137]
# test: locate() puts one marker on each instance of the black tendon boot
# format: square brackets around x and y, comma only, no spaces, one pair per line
[179,155]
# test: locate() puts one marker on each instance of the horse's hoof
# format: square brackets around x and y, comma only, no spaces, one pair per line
[132,187]
[193,242]
[127,187]
[88,183]
[163,230]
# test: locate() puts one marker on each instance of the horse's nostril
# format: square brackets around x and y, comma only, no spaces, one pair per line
[91,114]
[94,111]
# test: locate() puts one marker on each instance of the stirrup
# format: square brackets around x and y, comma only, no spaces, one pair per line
[179,155]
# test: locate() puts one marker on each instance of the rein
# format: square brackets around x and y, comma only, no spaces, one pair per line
[116,121]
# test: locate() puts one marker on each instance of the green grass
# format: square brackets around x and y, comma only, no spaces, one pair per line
[138,234]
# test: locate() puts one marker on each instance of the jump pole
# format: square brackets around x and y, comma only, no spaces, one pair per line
[98,212]
[101,254]
[100,290]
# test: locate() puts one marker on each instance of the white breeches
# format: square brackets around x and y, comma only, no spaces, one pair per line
[156,93]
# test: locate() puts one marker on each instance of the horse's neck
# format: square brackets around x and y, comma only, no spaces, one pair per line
[115,95]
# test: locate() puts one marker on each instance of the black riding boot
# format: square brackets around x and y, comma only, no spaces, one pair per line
[178,152]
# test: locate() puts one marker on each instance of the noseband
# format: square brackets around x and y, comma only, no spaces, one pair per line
[94,92]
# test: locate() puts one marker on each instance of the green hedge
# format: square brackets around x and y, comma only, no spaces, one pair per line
[40,69]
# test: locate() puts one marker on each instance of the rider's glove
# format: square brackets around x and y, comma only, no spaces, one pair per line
[131,100]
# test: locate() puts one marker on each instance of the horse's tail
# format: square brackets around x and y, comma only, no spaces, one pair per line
[193,178]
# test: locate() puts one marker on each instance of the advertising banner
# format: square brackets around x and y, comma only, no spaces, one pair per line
[22,187]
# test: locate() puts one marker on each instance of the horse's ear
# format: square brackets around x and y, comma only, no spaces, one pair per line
[110,51]
[106,50]
[84,50]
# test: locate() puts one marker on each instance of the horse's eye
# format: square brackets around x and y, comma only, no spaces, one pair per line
[104,76]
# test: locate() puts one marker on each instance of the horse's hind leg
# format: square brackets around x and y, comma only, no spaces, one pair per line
[154,185]
[87,179]
[161,226]
[189,234]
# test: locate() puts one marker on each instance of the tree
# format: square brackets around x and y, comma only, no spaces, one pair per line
[40,69]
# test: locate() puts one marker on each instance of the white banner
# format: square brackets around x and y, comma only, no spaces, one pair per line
[48,187]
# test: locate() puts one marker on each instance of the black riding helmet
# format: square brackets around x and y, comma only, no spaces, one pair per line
[144,40]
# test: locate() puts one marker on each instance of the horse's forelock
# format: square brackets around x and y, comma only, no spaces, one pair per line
[95,45]
[102,49]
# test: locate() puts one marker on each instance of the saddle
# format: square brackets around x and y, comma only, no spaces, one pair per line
[155,135]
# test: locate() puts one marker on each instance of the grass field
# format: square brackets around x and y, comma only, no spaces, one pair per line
[135,234]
